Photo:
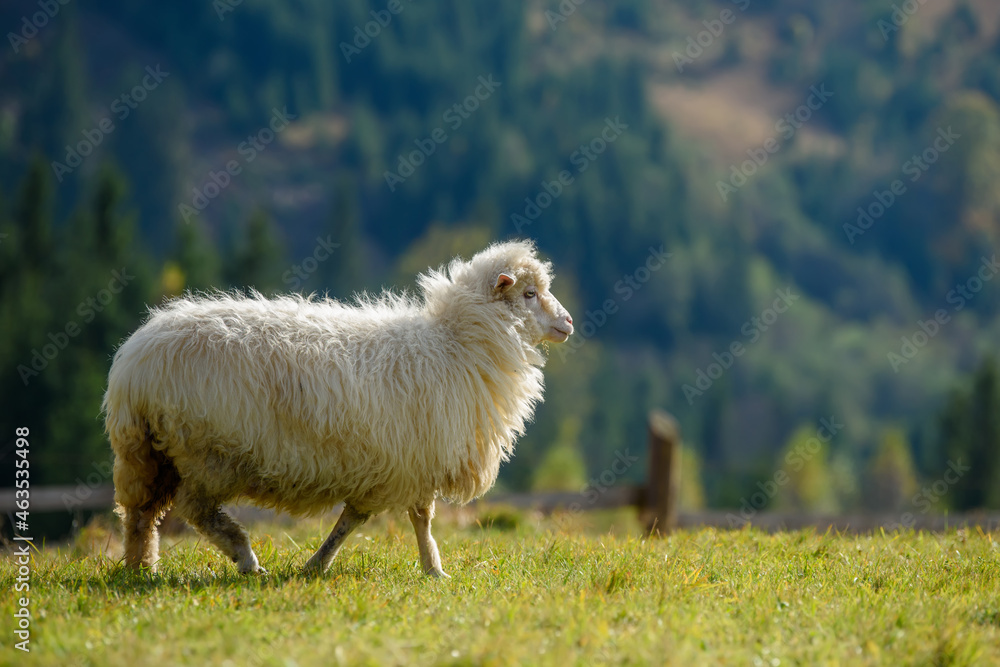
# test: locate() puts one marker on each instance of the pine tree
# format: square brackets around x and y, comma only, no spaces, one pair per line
[970,435]
[892,477]
[99,290]
[25,305]
[112,234]
[32,217]
[109,255]
[194,258]
[985,435]
[23,293]
[713,424]
[343,273]
[57,114]
[8,235]
[158,125]
[809,486]
[257,262]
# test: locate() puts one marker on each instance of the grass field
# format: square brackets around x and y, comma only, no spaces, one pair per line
[538,592]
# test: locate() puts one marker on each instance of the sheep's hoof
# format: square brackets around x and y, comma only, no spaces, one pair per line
[252,566]
[313,568]
[140,569]
[438,574]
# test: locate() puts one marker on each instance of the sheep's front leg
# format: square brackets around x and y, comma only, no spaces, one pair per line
[232,539]
[204,513]
[430,559]
[349,520]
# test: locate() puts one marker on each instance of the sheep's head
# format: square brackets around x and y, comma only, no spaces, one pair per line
[515,276]
[507,275]
[545,319]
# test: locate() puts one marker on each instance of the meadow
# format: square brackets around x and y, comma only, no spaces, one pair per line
[581,590]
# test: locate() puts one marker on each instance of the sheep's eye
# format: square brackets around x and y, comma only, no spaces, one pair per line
[530,294]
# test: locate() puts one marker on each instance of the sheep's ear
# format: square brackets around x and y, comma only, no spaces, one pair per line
[504,280]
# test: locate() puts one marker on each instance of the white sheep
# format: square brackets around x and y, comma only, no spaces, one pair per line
[300,404]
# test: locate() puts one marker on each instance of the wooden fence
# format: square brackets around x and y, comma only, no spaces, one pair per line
[656,501]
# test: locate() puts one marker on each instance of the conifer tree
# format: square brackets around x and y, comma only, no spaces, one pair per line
[25,306]
[970,436]
[805,463]
[100,290]
[58,105]
[892,477]
[344,274]
[258,258]
[32,217]
[195,257]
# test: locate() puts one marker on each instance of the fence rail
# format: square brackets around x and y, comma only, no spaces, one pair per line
[61,498]
[656,500]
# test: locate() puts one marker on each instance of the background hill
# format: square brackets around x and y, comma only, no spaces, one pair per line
[823,177]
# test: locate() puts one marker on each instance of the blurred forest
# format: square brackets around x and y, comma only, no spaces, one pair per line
[844,155]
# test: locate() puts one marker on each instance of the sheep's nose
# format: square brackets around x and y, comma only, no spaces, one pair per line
[569,319]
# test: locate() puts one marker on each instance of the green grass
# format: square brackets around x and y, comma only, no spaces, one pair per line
[543,592]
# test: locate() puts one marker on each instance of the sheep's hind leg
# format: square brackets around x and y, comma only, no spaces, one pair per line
[222,530]
[145,486]
[348,521]
[142,539]
[430,559]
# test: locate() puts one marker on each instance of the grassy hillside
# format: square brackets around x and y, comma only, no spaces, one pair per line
[554,593]
[706,166]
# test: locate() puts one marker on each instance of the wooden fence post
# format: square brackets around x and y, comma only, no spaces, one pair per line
[663,486]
